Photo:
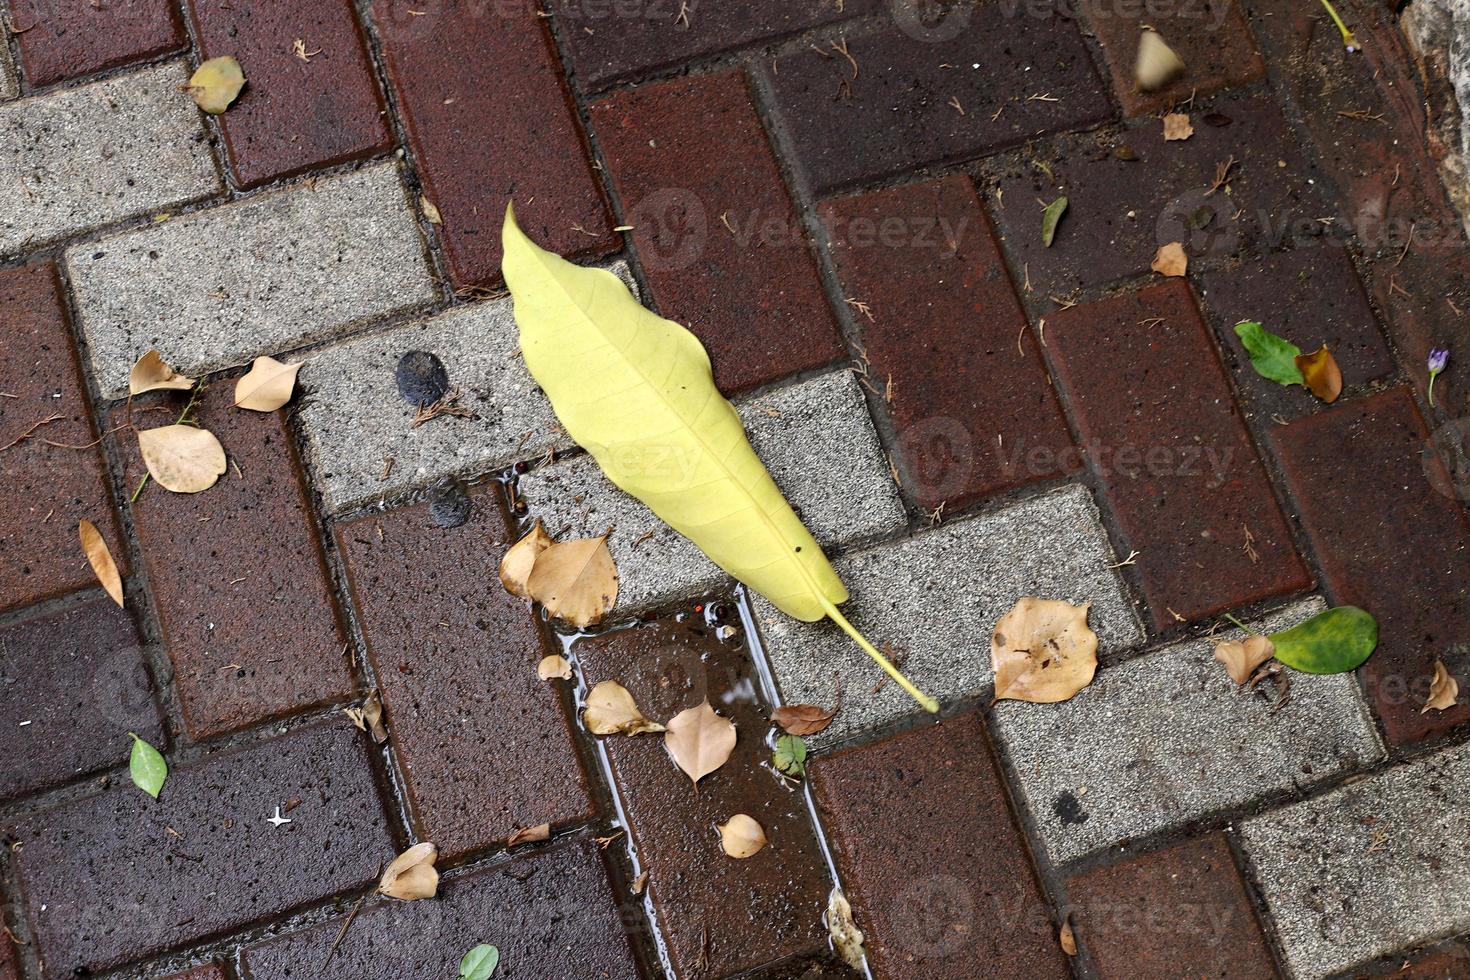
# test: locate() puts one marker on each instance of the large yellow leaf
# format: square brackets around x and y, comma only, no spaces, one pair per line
[636,391]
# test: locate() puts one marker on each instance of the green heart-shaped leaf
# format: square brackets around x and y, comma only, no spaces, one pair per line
[479,963]
[1331,642]
[147,767]
[1273,357]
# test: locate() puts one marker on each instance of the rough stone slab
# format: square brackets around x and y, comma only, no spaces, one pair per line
[9,83]
[85,157]
[936,596]
[1166,738]
[217,288]
[1369,869]
[819,446]
[355,420]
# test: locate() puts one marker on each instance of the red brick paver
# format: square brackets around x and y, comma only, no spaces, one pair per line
[1391,537]
[304,108]
[60,40]
[936,869]
[209,971]
[1159,425]
[238,575]
[489,118]
[729,915]
[47,488]
[482,743]
[1179,912]
[714,226]
[974,411]
[105,881]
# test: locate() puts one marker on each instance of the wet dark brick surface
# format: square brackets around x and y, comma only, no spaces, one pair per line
[938,874]
[729,914]
[478,144]
[482,743]
[614,41]
[752,294]
[237,573]
[896,114]
[1157,419]
[971,403]
[1311,296]
[551,915]
[106,882]
[295,114]
[1179,912]
[60,40]
[1210,37]
[209,971]
[72,685]
[1391,538]
[9,968]
[46,490]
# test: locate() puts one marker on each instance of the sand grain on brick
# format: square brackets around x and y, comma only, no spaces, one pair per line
[60,40]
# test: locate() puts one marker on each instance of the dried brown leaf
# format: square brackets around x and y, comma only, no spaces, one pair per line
[1067,939]
[100,558]
[1444,690]
[267,386]
[1043,651]
[576,581]
[431,213]
[1242,657]
[216,84]
[520,559]
[1157,65]
[847,938]
[182,458]
[527,835]
[554,666]
[700,740]
[151,373]
[1321,373]
[741,836]
[1177,126]
[411,876]
[610,709]
[802,719]
[1171,260]
[372,713]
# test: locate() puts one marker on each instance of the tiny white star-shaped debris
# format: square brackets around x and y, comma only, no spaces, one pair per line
[277,820]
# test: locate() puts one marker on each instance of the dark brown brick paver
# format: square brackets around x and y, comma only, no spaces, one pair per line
[238,575]
[72,685]
[1159,425]
[482,744]
[714,226]
[938,873]
[9,967]
[970,400]
[1391,537]
[60,40]
[119,876]
[298,112]
[729,915]
[1179,912]
[46,489]
[209,971]
[888,109]
[480,143]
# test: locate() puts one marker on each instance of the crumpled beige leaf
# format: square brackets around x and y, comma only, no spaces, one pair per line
[1067,939]
[802,719]
[1444,690]
[610,709]
[1171,260]
[412,876]
[576,581]
[554,666]
[1242,657]
[100,558]
[1043,651]
[700,740]
[266,386]
[431,213]
[1320,371]
[1177,126]
[151,372]
[741,836]
[520,559]
[182,458]
[847,938]
[1157,65]
[527,835]
[216,84]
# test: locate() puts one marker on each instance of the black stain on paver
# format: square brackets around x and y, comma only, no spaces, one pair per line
[422,379]
[449,505]
[1069,809]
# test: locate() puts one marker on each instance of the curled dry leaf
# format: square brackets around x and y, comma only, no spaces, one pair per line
[1321,373]
[520,558]
[1242,657]
[267,386]
[100,558]
[847,938]
[1177,126]
[412,876]
[1043,651]
[700,740]
[151,372]
[741,836]
[216,84]
[1443,690]
[1067,938]
[611,709]
[1157,64]
[554,666]
[576,581]
[431,213]
[372,713]
[802,719]
[182,458]
[527,835]
[1171,260]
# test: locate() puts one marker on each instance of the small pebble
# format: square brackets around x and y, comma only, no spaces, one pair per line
[449,505]
[421,378]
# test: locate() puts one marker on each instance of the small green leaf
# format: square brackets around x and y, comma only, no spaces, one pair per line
[1331,642]
[790,755]
[1050,218]
[147,766]
[479,963]
[1273,357]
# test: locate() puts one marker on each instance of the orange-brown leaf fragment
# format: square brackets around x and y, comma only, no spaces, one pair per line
[554,666]
[1177,126]
[1157,65]
[1043,651]
[576,581]
[412,876]
[527,835]
[802,719]
[700,740]
[1171,260]
[151,373]
[100,558]
[520,559]
[1321,372]
[1444,690]
[1067,939]
[1242,657]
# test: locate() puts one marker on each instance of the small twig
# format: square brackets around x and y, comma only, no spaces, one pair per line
[27,433]
[1222,173]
